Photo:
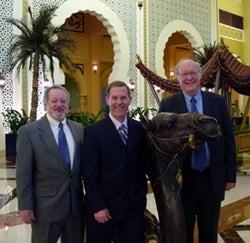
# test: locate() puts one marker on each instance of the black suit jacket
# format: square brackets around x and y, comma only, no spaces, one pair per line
[114,174]
[222,153]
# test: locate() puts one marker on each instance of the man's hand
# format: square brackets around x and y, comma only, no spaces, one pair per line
[230,185]
[27,216]
[102,216]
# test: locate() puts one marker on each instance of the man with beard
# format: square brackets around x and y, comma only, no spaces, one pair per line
[49,185]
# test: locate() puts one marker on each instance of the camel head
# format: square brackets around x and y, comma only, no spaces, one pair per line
[172,132]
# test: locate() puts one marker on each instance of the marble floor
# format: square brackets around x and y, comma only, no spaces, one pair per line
[13,230]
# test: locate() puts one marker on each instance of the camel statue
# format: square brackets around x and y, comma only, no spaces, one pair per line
[171,137]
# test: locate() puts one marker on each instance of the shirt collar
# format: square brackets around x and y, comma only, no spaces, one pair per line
[54,123]
[197,97]
[118,123]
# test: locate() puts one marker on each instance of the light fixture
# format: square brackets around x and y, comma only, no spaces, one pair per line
[131,85]
[95,68]
[2,81]
[6,226]
[171,74]
[140,3]
[46,83]
[157,89]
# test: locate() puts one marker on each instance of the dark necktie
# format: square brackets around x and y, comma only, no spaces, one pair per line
[122,130]
[63,145]
[199,160]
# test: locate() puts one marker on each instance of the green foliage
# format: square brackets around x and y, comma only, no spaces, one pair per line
[39,36]
[83,117]
[139,111]
[39,42]
[88,118]
[14,119]
[204,53]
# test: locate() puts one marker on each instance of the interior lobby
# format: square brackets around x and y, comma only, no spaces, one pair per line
[111,36]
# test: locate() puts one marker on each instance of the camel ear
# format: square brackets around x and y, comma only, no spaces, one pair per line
[144,121]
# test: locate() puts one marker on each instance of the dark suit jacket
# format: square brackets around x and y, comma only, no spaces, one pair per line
[114,175]
[44,182]
[222,153]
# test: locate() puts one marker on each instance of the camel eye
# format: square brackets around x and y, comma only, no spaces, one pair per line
[170,124]
[166,125]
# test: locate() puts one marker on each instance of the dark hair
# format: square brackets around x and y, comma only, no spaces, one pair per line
[46,93]
[187,59]
[117,84]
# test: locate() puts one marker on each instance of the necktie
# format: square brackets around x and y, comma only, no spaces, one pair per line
[199,158]
[122,130]
[63,146]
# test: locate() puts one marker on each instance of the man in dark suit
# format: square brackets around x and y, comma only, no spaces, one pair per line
[50,192]
[203,190]
[114,174]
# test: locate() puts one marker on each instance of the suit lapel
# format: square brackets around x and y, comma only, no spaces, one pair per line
[181,103]
[48,139]
[132,133]
[208,103]
[77,142]
[111,131]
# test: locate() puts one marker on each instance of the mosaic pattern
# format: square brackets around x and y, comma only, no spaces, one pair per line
[126,11]
[195,12]
[6,8]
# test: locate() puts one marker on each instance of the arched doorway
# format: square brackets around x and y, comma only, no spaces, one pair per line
[177,47]
[94,57]
[115,33]
[184,29]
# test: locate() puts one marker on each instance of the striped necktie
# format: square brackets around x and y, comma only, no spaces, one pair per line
[122,130]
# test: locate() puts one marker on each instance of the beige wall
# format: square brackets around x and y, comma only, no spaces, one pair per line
[232,6]
[240,48]
[246,47]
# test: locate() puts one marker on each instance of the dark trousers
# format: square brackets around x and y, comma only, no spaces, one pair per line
[129,230]
[68,230]
[199,202]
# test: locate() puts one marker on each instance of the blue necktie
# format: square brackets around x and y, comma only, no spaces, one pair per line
[122,130]
[63,146]
[199,159]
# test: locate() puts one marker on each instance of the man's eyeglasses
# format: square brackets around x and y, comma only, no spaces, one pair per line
[192,74]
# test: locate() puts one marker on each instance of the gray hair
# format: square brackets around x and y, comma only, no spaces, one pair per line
[177,67]
[46,93]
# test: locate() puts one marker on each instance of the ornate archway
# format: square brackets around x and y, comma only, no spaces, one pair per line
[113,24]
[184,28]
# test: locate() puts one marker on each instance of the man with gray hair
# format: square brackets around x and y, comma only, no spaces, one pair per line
[49,185]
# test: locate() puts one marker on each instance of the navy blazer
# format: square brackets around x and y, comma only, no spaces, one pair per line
[114,174]
[222,153]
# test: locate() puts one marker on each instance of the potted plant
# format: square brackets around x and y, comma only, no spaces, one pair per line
[88,118]
[14,120]
[39,43]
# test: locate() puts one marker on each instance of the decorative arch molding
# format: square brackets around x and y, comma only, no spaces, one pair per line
[184,28]
[114,26]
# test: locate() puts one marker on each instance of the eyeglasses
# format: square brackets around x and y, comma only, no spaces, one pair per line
[192,74]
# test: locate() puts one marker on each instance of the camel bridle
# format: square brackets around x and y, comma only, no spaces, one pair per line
[174,156]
